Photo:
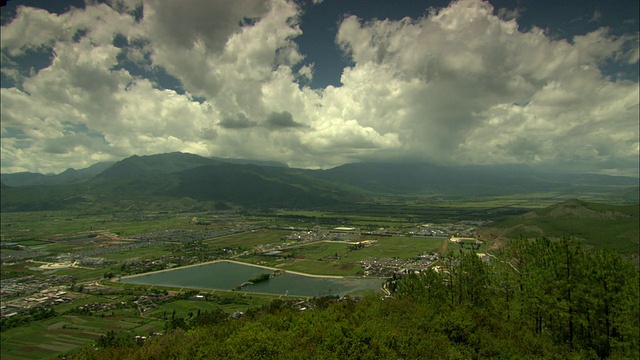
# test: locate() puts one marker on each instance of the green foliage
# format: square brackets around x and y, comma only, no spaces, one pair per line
[574,296]
[112,339]
[260,278]
[34,314]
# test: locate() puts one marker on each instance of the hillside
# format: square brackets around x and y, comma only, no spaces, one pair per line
[147,184]
[597,225]
[246,185]
[136,166]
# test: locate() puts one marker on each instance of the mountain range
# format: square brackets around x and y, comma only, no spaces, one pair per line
[68,176]
[155,179]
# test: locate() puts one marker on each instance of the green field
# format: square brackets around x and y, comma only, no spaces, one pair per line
[46,339]
[21,226]
[250,239]
[338,258]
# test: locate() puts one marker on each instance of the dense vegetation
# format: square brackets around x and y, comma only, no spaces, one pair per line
[260,278]
[536,299]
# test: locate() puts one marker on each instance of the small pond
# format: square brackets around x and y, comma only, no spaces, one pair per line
[225,275]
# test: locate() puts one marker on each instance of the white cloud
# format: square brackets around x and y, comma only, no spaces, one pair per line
[466,67]
[32,29]
[509,14]
[202,44]
[459,85]
[600,45]
[35,28]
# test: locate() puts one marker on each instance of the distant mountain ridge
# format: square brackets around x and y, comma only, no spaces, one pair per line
[478,180]
[166,177]
[251,162]
[67,176]
[128,168]
[135,166]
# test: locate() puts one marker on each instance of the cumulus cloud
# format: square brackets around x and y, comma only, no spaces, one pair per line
[237,121]
[281,120]
[458,71]
[222,46]
[459,85]
[509,14]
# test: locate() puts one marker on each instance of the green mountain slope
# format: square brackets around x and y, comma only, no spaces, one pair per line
[135,166]
[598,225]
[246,185]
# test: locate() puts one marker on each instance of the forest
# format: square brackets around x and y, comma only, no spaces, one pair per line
[531,299]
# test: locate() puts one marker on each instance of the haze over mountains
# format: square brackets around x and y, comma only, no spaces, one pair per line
[249,183]
[67,176]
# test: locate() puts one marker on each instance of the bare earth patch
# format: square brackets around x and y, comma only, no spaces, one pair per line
[347,266]
[57,325]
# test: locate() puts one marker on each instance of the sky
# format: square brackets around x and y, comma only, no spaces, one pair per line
[316,84]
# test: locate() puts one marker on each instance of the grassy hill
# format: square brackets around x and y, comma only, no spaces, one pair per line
[597,225]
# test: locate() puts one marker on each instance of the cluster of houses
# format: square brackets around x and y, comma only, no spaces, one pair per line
[43,299]
[386,267]
[151,301]
[95,307]
[27,285]
[337,234]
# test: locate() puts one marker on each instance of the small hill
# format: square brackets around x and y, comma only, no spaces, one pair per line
[597,225]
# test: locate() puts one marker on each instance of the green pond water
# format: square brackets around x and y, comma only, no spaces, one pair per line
[227,275]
